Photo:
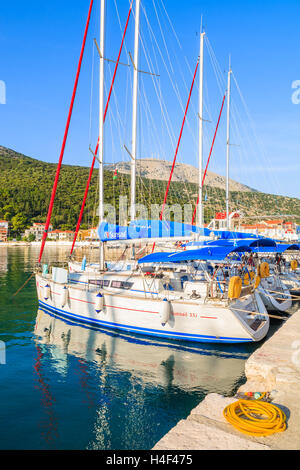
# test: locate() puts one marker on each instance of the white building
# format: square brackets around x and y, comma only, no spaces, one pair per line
[37,230]
[220,221]
[61,235]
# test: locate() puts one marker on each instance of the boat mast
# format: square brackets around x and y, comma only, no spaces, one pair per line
[228,144]
[200,212]
[134,110]
[101,128]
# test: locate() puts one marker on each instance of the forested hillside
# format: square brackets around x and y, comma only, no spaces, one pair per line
[26,184]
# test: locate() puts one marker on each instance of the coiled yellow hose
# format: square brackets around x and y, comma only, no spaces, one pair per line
[255,417]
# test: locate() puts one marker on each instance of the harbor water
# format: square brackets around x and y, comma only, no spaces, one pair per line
[65,386]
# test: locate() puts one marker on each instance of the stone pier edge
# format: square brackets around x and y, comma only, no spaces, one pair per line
[273,367]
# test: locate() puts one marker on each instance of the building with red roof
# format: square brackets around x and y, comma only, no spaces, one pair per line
[4,230]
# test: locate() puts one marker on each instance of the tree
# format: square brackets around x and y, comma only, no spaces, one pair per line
[19,223]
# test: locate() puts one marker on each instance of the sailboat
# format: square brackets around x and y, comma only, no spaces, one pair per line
[288,270]
[274,287]
[164,299]
[274,292]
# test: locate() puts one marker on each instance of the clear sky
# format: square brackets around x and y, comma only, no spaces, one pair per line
[39,50]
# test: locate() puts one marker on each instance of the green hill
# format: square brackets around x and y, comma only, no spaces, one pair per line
[26,184]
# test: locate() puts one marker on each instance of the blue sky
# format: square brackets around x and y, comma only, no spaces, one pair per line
[39,50]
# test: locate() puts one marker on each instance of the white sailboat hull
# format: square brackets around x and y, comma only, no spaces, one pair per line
[291,281]
[189,320]
[275,295]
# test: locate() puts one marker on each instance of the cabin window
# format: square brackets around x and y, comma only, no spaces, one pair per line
[121,285]
[100,283]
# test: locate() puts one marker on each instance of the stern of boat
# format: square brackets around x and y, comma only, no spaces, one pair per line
[252,314]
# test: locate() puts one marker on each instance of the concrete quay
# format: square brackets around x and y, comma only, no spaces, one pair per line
[275,368]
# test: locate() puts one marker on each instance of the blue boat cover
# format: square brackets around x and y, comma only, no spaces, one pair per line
[270,246]
[262,242]
[259,242]
[264,249]
[159,257]
[211,253]
[282,248]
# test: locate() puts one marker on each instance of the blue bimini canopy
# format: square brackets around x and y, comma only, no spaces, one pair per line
[259,242]
[211,253]
[264,245]
[264,249]
[282,248]
[251,243]
[227,235]
[159,257]
[262,242]
[210,242]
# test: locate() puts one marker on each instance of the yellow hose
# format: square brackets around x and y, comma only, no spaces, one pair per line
[255,417]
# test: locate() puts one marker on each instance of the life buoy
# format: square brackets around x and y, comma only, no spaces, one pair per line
[257,281]
[235,288]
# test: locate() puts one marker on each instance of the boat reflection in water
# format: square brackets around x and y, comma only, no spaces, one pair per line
[157,362]
[104,390]
[3,259]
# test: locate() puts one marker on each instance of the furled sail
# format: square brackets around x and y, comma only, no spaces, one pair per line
[141,229]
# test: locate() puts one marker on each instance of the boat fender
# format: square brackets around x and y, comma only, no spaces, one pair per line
[264,270]
[64,296]
[99,305]
[47,292]
[165,312]
[235,287]
[45,269]
[294,265]
[257,282]
[83,264]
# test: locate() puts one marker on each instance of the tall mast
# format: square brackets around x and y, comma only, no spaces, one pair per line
[228,144]
[200,212]
[134,110]
[101,127]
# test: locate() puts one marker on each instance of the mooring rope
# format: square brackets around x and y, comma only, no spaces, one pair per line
[255,417]
[24,285]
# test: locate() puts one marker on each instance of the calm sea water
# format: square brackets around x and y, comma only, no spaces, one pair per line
[68,387]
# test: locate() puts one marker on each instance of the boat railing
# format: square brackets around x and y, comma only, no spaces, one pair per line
[216,290]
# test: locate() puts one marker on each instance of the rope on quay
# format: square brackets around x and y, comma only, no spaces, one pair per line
[255,417]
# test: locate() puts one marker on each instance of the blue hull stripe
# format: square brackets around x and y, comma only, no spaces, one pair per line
[145,331]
